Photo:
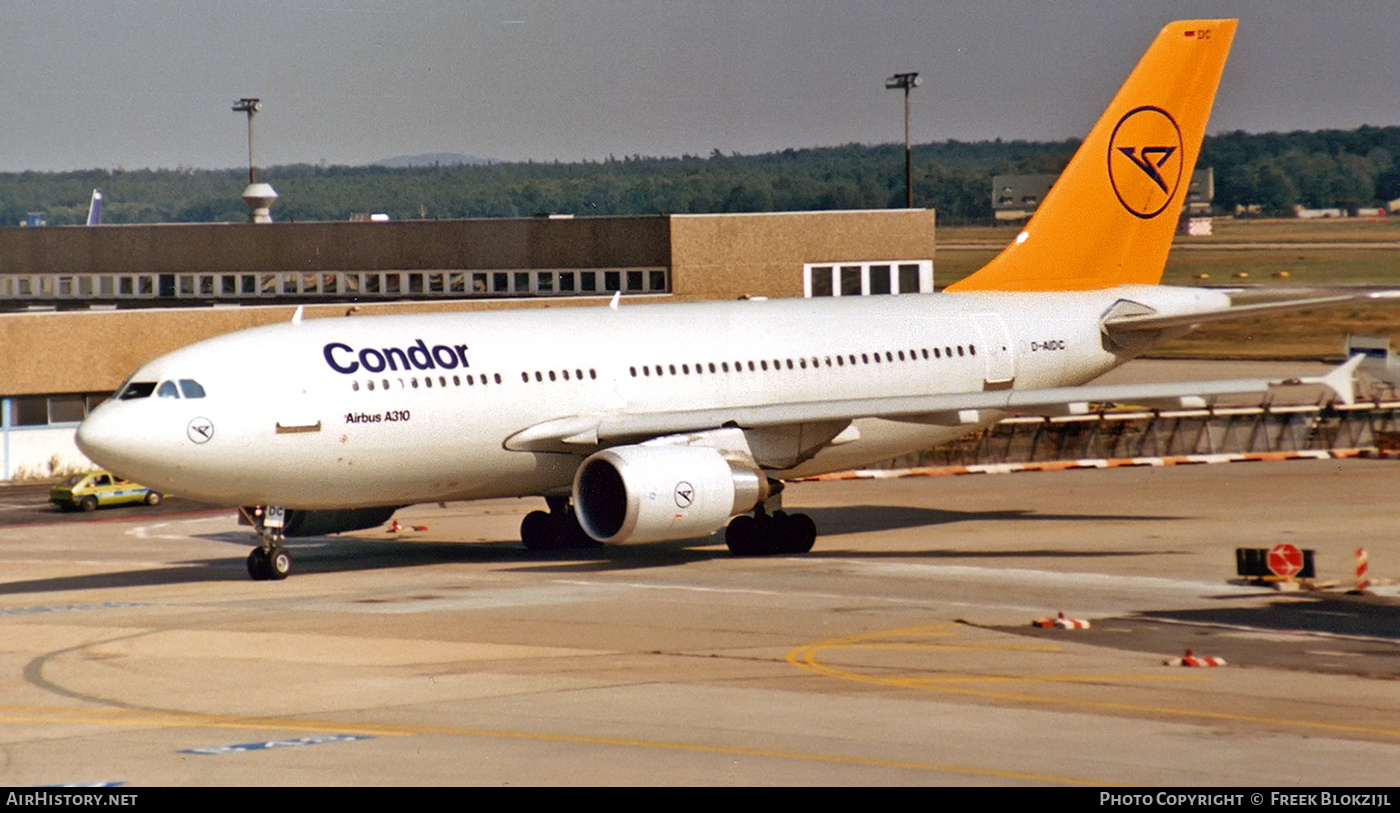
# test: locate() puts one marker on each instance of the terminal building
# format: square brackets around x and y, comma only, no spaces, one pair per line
[82,307]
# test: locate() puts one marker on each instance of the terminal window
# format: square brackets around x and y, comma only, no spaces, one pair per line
[867,278]
[128,290]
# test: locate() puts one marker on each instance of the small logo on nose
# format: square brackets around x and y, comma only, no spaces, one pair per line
[200,430]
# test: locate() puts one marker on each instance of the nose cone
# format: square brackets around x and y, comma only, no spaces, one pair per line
[106,439]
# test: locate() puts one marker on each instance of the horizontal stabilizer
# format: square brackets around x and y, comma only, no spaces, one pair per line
[1143,322]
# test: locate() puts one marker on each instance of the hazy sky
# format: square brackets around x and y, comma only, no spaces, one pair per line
[150,83]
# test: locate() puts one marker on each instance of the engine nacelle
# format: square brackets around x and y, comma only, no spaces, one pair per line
[320,523]
[656,493]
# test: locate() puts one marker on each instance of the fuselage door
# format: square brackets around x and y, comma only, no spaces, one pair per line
[995,348]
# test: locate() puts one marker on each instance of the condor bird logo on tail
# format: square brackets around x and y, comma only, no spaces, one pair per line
[1144,160]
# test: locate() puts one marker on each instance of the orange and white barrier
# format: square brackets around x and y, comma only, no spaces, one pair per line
[1363,571]
[1190,659]
[1061,622]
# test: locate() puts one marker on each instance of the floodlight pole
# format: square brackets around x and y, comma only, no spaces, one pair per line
[249,106]
[905,82]
[259,197]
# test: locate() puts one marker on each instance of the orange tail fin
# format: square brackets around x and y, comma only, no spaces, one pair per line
[1110,218]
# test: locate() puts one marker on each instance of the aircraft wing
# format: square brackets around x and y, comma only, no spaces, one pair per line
[1140,322]
[582,433]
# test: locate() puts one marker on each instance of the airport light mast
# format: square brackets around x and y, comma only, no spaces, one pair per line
[258,197]
[905,82]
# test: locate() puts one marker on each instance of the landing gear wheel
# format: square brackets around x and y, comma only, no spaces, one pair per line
[153,498]
[555,530]
[269,564]
[742,536]
[257,565]
[279,564]
[537,531]
[762,534]
[795,533]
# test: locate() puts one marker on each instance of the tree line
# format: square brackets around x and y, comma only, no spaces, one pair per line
[1270,172]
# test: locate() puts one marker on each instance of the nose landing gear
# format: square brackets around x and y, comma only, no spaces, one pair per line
[269,561]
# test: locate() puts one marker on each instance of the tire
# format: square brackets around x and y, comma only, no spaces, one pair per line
[537,531]
[258,565]
[798,534]
[88,503]
[153,498]
[742,536]
[279,564]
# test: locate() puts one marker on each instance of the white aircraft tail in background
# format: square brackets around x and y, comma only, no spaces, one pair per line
[94,217]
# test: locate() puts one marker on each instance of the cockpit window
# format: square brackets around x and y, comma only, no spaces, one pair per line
[137,389]
[167,390]
[191,388]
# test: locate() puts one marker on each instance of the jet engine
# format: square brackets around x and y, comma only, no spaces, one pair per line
[320,523]
[654,493]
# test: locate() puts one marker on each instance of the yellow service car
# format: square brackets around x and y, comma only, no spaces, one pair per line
[87,491]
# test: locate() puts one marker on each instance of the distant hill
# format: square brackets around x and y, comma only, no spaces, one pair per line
[435,159]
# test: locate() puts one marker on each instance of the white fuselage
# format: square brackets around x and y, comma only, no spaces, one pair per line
[394,410]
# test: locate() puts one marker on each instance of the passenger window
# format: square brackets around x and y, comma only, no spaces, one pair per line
[167,390]
[191,388]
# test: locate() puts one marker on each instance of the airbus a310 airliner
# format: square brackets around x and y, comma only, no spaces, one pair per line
[673,421]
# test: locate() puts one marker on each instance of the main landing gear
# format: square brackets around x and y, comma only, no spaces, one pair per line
[557,529]
[269,561]
[764,534]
